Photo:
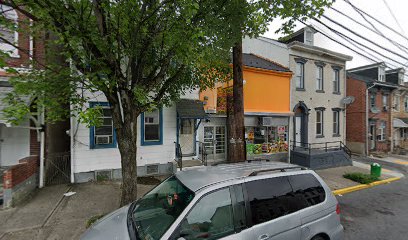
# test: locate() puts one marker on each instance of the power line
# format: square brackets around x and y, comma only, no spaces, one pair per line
[376,31]
[362,37]
[345,36]
[379,22]
[392,14]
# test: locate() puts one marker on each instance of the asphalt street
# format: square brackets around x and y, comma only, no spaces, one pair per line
[380,212]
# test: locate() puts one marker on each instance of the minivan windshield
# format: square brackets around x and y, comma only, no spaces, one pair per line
[156,211]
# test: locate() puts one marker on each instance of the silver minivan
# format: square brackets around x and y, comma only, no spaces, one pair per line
[258,200]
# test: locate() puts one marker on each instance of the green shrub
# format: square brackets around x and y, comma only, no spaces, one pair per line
[361,177]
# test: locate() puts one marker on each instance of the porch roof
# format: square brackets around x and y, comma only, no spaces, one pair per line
[400,123]
[190,108]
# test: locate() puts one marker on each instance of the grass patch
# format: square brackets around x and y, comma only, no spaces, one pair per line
[93,219]
[361,177]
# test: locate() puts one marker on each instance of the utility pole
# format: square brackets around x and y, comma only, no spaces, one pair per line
[236,135]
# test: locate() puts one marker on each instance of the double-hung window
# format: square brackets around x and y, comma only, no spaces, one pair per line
[300,75]
[385,102]
[336,80]
[397,100]
[103,135]
[406,103]
[372,100]
[152,127]
[8,32]
[336,122]
[319,122]
[381,135]
[319,78]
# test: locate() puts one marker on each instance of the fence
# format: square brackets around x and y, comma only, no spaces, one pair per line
[58,168]
[319,147]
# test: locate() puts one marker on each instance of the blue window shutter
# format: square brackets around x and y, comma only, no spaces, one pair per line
[142,131]
[92,143]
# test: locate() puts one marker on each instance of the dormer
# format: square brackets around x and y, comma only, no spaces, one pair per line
[395,76]
[304,35]
[374,71]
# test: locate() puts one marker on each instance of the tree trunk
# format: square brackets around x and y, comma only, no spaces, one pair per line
[236,139]
[126,138]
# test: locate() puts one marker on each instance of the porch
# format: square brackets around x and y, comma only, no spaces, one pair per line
[320,155]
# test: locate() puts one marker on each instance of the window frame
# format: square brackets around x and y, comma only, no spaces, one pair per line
[336,122]
[300,77]
[382,131]
[321,134]
[92,142]
[336,81]
[385,103]
[406,103]
[319,78]
[373,100]
[143,142]
[396,103]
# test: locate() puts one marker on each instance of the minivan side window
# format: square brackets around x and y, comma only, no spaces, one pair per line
[307,190]
[210,218]
[269,198]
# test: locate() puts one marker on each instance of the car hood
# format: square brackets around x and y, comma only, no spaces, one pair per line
[112,226]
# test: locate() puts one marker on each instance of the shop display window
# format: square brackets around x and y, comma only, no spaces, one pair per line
[264,139]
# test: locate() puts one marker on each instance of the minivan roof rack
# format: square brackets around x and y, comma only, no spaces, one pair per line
[283,169]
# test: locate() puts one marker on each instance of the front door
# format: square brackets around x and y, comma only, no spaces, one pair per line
[298,132]
[372,136]
[214,141]
[187,137]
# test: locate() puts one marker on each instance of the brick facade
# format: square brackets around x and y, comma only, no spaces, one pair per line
[17,174]
[356,132]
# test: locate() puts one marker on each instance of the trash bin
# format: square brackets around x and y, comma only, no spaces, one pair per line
[375,170]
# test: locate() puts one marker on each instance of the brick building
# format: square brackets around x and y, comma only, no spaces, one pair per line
[369,118]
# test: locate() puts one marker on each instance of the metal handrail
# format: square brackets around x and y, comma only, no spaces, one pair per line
[202,153]
[312,146]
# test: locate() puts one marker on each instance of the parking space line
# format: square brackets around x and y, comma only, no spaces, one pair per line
[402,162]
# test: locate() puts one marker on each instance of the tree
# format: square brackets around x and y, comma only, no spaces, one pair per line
[260,12]
[140,54]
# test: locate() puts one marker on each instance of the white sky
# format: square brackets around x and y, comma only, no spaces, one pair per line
[376,8]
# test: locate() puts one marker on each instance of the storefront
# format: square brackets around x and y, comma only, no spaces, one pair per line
[266,137]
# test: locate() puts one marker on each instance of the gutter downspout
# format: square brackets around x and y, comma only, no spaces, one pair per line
[72,142]
[392,118]
[366,132]
[42,150]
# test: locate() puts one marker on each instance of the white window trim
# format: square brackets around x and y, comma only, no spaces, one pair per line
[13,16]
[321,123]
[319,78]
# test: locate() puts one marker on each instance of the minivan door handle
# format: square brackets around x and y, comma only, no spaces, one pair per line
[263,237]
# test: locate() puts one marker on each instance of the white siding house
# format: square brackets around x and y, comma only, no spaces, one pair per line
[88,160]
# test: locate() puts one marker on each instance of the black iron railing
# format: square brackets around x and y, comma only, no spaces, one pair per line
[202,153]
[179,156]
[324,146]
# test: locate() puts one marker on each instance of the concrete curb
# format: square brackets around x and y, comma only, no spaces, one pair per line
[364,186]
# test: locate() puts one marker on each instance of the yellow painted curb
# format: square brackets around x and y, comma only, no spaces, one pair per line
[363,186]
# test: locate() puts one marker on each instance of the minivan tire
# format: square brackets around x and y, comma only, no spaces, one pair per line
[318,237]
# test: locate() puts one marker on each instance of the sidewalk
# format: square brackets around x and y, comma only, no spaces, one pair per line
[334,176]
[50,215]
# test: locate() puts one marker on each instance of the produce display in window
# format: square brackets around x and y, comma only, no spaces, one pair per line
[266,139]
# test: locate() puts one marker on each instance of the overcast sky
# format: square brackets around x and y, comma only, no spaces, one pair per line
[379,10]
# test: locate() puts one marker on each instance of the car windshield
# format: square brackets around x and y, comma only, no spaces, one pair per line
[156,211]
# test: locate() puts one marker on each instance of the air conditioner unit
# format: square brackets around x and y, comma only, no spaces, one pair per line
[211,110]
[266,121]
[102,140]
[385,108]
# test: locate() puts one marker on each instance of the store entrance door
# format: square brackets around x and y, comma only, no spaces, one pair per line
[214,141]
[298,133]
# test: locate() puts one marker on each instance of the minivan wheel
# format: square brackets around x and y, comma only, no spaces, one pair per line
[318,237]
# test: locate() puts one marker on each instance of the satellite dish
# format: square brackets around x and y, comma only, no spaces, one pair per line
[375,110]
[347,100]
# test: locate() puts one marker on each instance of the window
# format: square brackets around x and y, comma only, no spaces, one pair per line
[406,103]
[157,210]
[103,136]
[319,122]
[307,191]
[319,78]
[382,128]
[309,38]
[9,34]
[397,103]
[152,128]
[381,74]
[210,218]
[385,102]
[270,199]
[300,75]
[336,81]
[372,100]
[187,126]
[336,122]
[401,78]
